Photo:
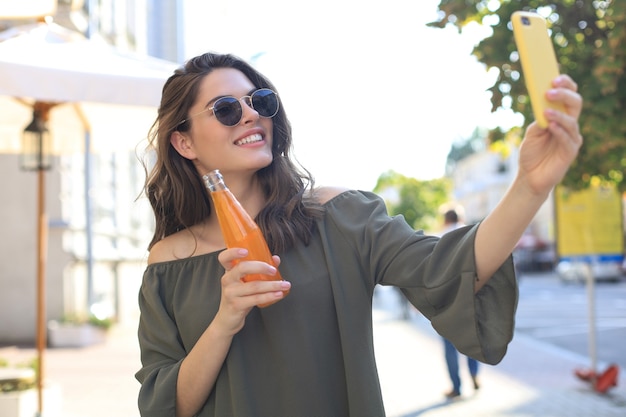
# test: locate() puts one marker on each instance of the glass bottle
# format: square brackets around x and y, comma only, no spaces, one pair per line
[238,228]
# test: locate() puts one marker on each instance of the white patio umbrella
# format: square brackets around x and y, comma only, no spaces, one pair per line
[44,65]
[50,63]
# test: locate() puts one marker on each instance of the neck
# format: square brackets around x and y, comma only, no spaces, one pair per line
[247,191]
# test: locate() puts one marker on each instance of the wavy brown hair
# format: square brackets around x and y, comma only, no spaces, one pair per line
[175,189]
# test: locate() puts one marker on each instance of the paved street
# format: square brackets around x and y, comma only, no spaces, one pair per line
[561,314]
[536,378]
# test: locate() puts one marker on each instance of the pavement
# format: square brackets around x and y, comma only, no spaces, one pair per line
[534,379]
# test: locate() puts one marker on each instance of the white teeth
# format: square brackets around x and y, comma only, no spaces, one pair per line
[250,139]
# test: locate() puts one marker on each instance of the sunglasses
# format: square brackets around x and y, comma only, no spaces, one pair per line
[228,110]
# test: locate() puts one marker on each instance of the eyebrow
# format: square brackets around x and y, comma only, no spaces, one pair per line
[214,99]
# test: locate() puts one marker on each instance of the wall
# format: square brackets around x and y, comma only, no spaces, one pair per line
[18,251]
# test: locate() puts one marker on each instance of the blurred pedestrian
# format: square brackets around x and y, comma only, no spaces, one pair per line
[451,221]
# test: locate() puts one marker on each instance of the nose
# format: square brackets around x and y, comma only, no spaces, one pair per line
[247,111]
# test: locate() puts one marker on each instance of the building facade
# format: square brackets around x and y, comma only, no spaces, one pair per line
[99,223]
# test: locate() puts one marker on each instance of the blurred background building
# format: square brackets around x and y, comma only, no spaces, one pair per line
[480,181]
[99,224]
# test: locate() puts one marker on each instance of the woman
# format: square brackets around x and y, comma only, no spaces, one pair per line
[208,351]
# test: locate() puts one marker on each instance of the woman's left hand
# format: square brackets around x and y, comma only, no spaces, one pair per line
[546,154]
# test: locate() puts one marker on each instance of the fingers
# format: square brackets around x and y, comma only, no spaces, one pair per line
[564,127]
[241,294]
[253,293]
[229,257]
[565,81]
[565,91]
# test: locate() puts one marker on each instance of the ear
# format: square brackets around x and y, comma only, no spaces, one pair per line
[183,145]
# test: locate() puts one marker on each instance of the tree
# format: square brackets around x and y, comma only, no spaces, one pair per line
[418,201]
[590,43]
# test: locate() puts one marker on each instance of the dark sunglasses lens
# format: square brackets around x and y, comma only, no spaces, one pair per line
[227,111]
[265,102]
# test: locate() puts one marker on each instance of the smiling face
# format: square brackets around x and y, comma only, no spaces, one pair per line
[246,146]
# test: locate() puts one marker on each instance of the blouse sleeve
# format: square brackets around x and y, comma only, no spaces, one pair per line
[436,274]
[161,350]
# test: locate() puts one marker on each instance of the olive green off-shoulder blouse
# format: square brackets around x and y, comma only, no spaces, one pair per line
[312,354]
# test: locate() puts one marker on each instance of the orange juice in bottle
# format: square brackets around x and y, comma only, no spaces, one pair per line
[238,228]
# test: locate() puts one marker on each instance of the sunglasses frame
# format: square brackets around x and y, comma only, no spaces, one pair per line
[248,102]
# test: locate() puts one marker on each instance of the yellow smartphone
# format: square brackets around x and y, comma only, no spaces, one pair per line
[539,64]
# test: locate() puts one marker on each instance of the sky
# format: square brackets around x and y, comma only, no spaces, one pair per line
[367,86]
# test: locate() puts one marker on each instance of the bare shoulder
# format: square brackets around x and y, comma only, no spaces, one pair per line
[196,240]
[176,246]
[327,193]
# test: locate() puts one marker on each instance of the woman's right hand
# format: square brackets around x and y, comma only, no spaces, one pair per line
[199,370]
[239,297]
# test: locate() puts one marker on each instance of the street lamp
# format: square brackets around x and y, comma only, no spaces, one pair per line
[36,141]
[36,156]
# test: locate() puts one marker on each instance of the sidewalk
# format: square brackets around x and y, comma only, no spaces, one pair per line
[534,379]
[94,381]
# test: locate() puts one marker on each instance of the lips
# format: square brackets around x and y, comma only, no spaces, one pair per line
[249,139]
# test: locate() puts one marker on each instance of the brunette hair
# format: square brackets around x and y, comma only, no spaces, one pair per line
[451,217]
[175,189]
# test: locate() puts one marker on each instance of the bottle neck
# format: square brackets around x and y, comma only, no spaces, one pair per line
[214,181]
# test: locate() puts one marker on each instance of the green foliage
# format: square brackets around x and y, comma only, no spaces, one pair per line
[104,323]
[418,201]
[590,43]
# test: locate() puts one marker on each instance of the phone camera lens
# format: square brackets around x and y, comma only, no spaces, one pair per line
[526,21]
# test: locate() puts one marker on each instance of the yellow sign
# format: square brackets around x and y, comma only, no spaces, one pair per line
[589,223]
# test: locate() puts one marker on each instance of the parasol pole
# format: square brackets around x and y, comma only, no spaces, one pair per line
[42,239]
[36,157]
